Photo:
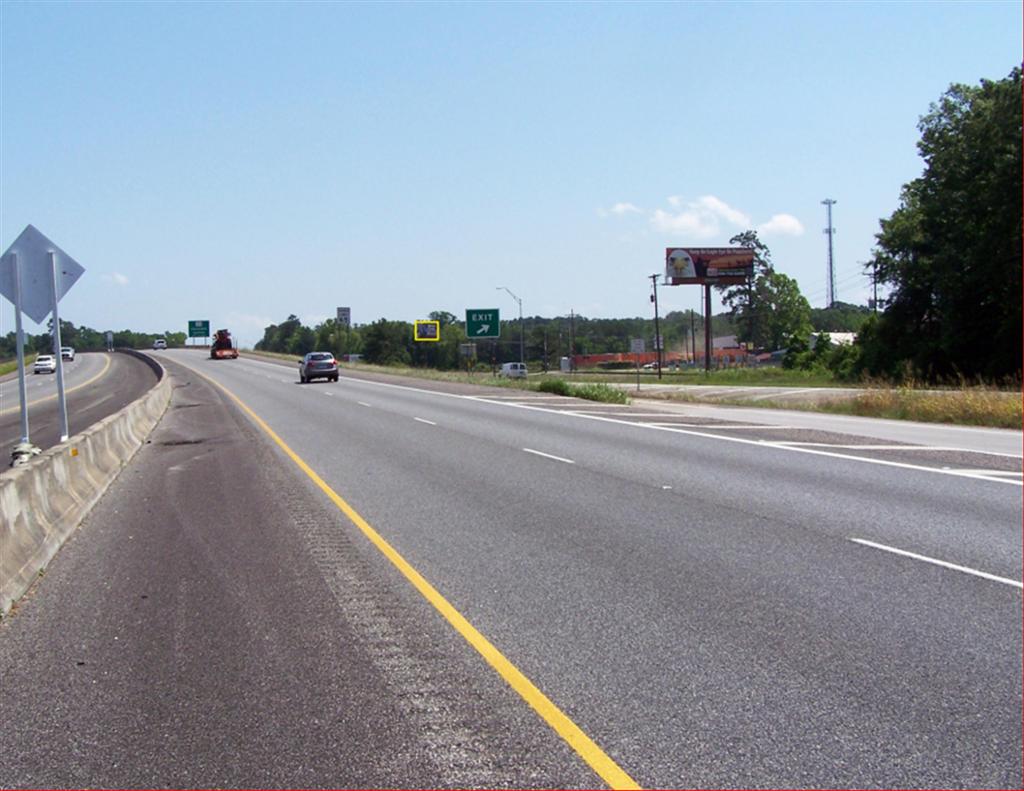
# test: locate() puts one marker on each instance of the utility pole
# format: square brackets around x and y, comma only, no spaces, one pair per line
[828,203]
[657,329]
[874,285]
[572,341]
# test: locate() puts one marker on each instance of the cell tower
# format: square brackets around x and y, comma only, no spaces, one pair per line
[831,268]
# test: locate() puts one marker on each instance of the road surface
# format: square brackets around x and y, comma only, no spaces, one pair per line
[705,604]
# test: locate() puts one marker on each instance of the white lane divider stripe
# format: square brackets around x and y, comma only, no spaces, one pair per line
[362,403]
[428,422]
[548,456]
[937,562]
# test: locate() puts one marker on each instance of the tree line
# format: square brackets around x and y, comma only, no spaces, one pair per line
[84,339]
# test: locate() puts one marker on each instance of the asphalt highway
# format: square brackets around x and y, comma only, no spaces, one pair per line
[95,385]
[290,585]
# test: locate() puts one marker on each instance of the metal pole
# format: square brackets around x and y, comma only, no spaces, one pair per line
[56,351]
[707,327]
[874,285]
[20,344]
[828,202]
[657,331]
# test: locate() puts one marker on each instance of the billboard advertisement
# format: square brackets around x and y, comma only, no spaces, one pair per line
[716,266]
[427,331]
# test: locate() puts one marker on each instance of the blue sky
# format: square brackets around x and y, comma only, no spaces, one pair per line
[238,162]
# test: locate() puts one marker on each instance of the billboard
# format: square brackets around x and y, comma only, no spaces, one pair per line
[427,330]
[715,266]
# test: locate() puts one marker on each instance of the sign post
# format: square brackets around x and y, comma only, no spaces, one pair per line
[20,342]
[35,274]
[638,347]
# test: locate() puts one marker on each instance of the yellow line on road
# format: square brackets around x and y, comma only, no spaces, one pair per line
[585,747]
[86,383]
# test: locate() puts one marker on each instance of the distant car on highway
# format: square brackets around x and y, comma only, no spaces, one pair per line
[67,353]
[318,365]
[45,364]
[651,366]
[159,343]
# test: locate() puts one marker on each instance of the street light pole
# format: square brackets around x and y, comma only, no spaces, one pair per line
[522,329]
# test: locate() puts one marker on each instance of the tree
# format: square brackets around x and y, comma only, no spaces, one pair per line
[770,308]
[387,342]
[951,252]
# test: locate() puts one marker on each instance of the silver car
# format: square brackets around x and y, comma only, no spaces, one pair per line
[318,365]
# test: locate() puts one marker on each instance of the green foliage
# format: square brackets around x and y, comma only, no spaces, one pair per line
[769,309]
[388,342]
[84,339]
[589,390]
[556,386]
[840,317]
[951,252]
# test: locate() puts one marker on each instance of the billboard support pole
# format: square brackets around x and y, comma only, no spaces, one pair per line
[707,328]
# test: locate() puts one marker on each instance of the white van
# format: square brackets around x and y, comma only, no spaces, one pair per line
[513,370]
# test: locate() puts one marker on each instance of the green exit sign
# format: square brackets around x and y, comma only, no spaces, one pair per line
[199,329]
[482,323]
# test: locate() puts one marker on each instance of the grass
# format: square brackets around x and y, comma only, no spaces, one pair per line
[772,376]
[592,392]
[12,365]
[967,406]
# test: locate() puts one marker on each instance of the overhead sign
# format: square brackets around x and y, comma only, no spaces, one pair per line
[483,323]
[716,266]
[427,330]
[32,251]
[199,328]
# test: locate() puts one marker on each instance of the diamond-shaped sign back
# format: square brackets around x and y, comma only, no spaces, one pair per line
[32,250]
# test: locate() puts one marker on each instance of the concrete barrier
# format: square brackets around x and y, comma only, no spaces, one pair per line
[42,502]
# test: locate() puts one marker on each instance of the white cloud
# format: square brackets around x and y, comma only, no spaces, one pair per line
[619,209]
[720,208]
[688,222]
[116,278]
[701,218]
[785,224]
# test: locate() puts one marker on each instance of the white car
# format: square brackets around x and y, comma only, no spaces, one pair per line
[45,364]
[159,343]
[68,353]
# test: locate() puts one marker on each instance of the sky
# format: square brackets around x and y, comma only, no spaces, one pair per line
[243,161]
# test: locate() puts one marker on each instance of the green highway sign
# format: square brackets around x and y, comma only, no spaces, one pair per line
[199,328]
[482,323]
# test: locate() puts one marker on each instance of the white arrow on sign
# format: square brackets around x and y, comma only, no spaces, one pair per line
[32,250]
[484,328]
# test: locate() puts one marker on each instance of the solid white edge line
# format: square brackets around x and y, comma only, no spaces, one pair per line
[548,456]
[937,562]
[428,422]
[759,443]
